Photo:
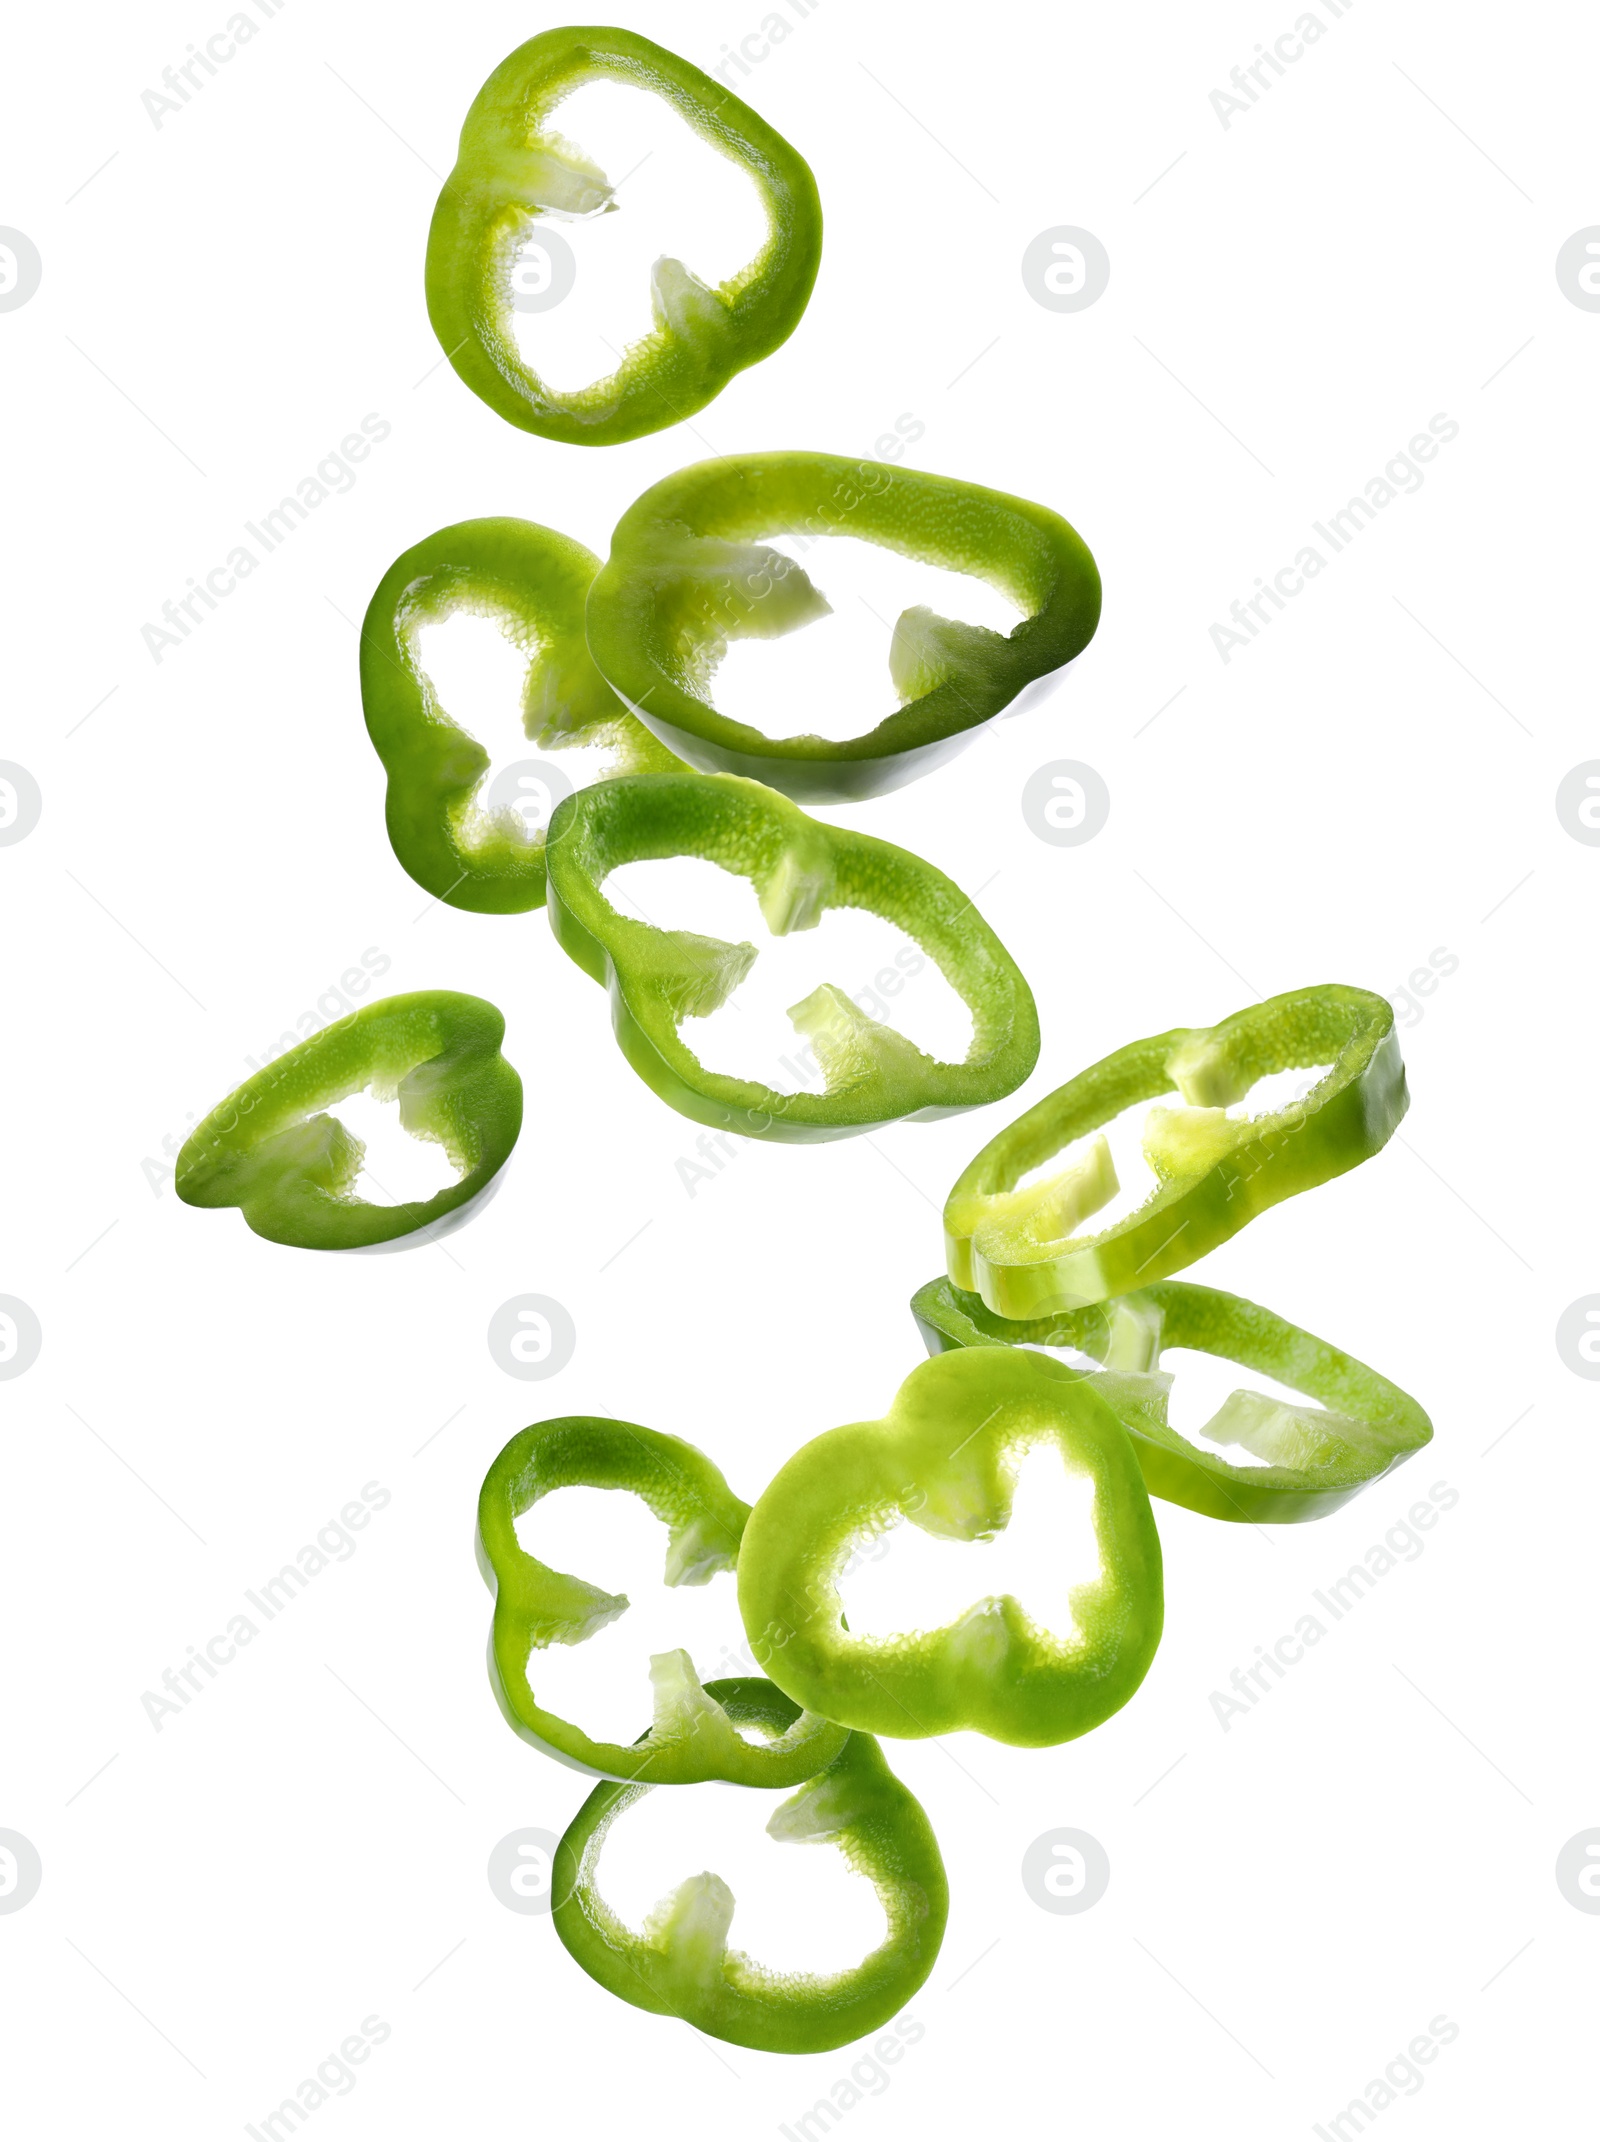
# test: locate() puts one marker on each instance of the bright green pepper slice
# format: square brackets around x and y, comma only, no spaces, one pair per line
[690,570]
[680,1964]
[800,868]
[1316,1457]
[1022,1249]
[945,1457]
[693,1738]
[454,843]
[289,1167]
[513,168]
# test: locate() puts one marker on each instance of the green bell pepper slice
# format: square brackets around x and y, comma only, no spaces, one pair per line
[535,582]
[693,1738]
[1316,1457]
[1021,1249]
[800,868]
[689,571]
[271,1149]
[680,1964]
[513,168]
[945,1457]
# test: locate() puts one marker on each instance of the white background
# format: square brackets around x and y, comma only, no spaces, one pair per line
[1292,297]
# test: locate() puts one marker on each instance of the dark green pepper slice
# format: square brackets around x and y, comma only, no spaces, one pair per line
[691,568]
[800,868]
[271,1149]
[513,168]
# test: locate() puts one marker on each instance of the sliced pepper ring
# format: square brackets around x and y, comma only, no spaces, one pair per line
[1022,1249]
[513,168]
[1360,1428]
[535,581]
[680,1964]
[693,1738]
[944,1457]
[691,569]
[800,868]
[271,1149]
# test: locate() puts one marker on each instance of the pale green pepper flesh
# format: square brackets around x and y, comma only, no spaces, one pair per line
[945,1458]
[1020,1250]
